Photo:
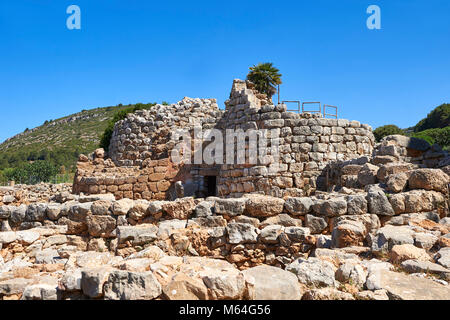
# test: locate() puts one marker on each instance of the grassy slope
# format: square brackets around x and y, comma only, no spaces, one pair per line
[63,138]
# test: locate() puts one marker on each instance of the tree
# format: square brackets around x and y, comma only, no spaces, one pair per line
[265,77]
[387,130]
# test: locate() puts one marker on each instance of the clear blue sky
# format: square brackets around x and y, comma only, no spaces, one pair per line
[144,51]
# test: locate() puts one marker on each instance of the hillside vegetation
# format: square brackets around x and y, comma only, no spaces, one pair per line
[435,128]
[60,141]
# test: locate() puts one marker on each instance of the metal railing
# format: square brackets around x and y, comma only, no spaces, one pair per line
[322,109]
[310,111]
[293,101]
[325,106]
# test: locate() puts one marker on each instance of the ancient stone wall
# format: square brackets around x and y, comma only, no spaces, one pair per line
[26,194]
[147,134]
[306,144]
[299,148]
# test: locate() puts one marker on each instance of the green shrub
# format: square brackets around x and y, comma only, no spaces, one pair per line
[31,173]
[438,118]
[441,136]
[387,130]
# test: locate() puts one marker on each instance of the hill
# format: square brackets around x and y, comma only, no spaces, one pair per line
[435,128]
[59,141]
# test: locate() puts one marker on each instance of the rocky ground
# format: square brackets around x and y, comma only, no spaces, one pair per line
[390,240]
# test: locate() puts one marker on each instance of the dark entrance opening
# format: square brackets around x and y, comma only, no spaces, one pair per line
[211,184]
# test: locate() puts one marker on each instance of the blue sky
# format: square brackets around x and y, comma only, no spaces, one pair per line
[144,51]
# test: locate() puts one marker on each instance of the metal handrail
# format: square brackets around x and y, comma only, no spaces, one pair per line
[311,111]
[330,114]
[292,101]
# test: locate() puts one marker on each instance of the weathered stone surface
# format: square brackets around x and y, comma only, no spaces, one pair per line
[416,266]
[297,234]
[313,272]
[101,207]
[224,285]
[368,174]
[36,212]
[403,287]
[429,179]
[92,281]
[348,233]
[283,219]
[71,280]
[408,142]
[182,287]
[180,208]
[121,207]
[270,234]
[53,211]
[203,209]
[378,202]
[101,226]
[230,207]
[139,234]
[327,294]
[372,295]
[13,286]
[393,168]
[356,204]
[397,182]
[389,236]
[315,224]
[5,212]
[139,209]
[125,285]
[270,283]
[353,273]
[40,291]
[330,208]
[166,228]
[400,253]
[7,237]
[443,257]
[264,206]
[241,233]
[299,206]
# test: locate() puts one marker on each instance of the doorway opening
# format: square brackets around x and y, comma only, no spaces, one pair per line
[211,186]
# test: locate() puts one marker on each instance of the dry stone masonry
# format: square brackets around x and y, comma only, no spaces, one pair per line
[140,166]
[342,218]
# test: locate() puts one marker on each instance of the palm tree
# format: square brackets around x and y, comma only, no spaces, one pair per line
[265,77]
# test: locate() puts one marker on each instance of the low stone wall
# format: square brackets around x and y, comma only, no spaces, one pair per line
[25,194]
[329,246]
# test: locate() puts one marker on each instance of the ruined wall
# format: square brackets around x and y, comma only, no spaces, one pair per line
[146,134]
[307,143]
[139,164]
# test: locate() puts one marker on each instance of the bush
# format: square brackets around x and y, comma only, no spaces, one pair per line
[387,130]
[441,136]
[438,118]
[31,173]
